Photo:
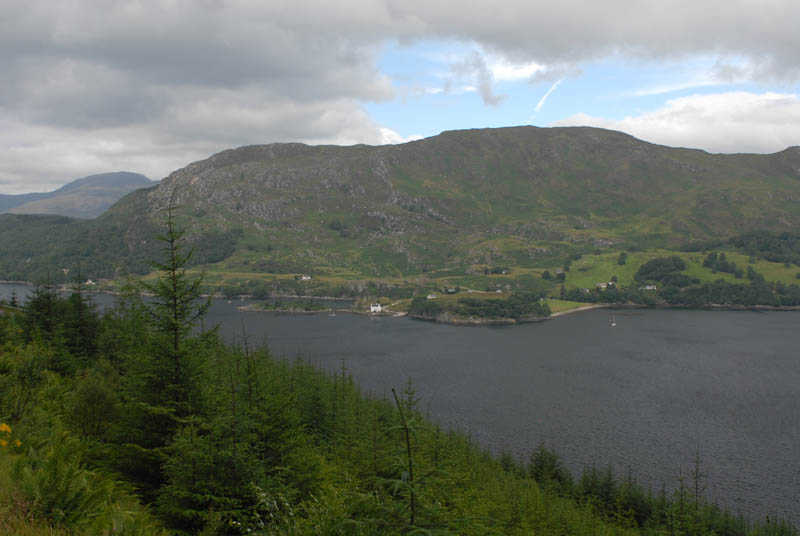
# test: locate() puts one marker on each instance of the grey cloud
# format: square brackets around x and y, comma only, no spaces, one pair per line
[571,32]
[78,94]
[35,156]
[474,70]
[93,85]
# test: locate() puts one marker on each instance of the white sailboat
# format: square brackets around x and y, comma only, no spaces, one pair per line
[613,319]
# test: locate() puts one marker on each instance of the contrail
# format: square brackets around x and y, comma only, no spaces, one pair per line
[544,98]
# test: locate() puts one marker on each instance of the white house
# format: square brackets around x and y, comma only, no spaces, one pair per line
[431,296]
[375,308]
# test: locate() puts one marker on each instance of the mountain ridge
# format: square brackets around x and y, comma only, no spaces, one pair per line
[87,197]
[516,196]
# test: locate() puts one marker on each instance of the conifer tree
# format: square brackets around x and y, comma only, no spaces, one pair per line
[175,312]
[81,325]
[161,375]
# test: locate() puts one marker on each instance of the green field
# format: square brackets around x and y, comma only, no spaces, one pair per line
[592,269]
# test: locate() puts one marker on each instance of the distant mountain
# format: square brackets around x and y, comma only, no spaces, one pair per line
[82,198]
[448,204]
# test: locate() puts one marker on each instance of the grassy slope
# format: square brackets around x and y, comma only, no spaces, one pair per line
[591,269]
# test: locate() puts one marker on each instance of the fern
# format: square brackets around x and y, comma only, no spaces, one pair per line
[53,481]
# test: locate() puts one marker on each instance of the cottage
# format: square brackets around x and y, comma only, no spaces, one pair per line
[601,286]
[431,296]
[375,308]
[650,287]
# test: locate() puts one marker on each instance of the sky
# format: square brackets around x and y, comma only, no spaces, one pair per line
[92,86]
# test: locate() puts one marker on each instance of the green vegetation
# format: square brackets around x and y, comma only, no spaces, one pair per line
[293,306]
[518,306]
[720,263]
[139,423]
[671,280]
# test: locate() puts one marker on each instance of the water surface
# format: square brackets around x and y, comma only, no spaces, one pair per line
[644,395]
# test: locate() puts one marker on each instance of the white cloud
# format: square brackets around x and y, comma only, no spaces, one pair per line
[719,123]
[505,71]
[389,136]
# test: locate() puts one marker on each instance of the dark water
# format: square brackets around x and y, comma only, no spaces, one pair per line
[644,395]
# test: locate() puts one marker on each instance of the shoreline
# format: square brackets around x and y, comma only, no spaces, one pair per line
[459,321]
[253,308]
[582,309]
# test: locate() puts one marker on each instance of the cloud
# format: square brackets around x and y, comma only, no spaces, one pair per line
[97,85]
[38,157]
[671,88]
[504,71]
[573,32]
[474,68]
[719,123]
[389,136]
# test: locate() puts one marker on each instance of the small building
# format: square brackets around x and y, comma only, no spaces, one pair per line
[89,282]
[431,296]
[303,277]
[375,308]
[650,287]
[450,290]
[601,285]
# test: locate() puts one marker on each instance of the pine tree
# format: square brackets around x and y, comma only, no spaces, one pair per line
[176,310]
[161,375]
[81,326]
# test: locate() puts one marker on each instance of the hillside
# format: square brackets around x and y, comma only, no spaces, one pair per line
[452,204]
[82,198]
